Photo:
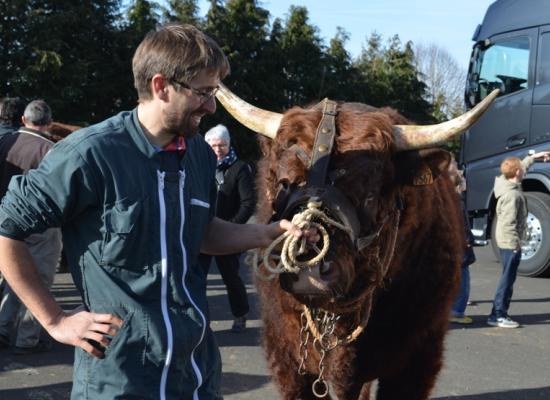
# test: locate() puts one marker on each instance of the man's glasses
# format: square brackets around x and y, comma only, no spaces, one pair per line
[204,95]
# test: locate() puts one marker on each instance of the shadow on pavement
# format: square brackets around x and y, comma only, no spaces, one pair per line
[237,383]
[226,338]
[59,391]
[521,394]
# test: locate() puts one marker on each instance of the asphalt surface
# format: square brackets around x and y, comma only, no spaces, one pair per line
[481,362]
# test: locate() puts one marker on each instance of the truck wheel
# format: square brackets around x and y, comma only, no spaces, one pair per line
[535,250]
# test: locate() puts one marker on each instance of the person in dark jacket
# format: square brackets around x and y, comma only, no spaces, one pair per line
[235,202]
[23,152]
[459,306]
[133,196]
[11,112]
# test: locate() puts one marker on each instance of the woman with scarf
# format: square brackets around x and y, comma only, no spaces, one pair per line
[235,203]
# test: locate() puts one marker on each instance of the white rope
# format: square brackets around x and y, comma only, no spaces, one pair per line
[294,247]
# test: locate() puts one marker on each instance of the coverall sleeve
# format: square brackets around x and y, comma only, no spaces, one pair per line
[58,190]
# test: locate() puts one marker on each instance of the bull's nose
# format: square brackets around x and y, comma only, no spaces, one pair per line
[286,280]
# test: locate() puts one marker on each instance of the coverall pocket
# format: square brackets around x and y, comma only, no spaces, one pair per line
[123,236]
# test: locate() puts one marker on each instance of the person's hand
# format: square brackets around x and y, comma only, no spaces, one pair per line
[78,327]
[545,155]
[277,228]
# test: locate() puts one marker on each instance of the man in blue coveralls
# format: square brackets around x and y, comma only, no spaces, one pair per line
[134,198]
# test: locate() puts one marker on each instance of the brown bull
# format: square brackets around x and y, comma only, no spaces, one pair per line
[388,302]
[60,130]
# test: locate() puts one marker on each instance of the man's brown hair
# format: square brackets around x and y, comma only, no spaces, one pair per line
[510,166]
[178,52]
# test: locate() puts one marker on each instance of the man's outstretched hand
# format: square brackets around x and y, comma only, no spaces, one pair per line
[277,228]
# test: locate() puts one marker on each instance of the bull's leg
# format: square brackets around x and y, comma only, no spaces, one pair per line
[346,383]
[416,379]
[353,391]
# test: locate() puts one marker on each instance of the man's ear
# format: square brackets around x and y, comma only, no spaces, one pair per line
[159,87]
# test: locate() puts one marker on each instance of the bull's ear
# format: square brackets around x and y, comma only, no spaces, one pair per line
[420,167]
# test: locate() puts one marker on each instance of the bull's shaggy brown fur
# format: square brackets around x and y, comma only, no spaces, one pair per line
[402,345]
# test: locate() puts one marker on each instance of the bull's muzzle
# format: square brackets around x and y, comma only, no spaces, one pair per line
[315,281]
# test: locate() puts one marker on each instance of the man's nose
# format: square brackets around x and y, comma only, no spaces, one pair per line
[209,105]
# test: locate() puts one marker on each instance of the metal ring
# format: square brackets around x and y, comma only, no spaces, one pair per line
[319,382]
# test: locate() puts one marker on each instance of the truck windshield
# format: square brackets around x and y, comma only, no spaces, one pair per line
[502,65]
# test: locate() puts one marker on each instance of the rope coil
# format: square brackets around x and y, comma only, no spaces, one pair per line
[294,247]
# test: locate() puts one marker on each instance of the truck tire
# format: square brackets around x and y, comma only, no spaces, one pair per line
[535,257]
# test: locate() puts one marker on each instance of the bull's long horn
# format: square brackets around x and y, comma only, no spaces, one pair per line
[260,121]
[409,137]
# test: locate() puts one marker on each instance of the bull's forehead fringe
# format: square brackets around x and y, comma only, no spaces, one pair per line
[359,127]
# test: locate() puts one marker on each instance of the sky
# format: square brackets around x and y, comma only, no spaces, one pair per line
[449,24]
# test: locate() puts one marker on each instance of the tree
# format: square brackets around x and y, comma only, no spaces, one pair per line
[142,17]
[444,78]
[340,77]
[302,49]
[66,53]
[390,78]
[12,29]
[185,11]
[241,29]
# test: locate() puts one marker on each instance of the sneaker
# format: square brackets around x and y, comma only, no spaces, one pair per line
[461,320]
[41,347]
[502,322]
[239,324]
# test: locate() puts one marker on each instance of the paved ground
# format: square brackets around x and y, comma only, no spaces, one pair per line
[481,362]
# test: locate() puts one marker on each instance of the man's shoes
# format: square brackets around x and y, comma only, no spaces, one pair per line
[461,320]
[502,322]
[239,324]
[4,342]
[41,347]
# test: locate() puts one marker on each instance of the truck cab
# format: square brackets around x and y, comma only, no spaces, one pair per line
[511,52]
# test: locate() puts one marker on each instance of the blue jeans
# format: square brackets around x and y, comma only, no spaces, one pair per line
[461,301]
[505,287]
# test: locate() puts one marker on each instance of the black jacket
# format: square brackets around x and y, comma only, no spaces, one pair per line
[236,199]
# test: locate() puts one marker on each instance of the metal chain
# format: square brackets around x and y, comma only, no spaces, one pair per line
[304,339]
[320,386]
[325,341]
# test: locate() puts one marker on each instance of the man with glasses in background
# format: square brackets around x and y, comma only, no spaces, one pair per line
[134,196]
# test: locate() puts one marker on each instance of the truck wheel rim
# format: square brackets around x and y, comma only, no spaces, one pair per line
[532,244]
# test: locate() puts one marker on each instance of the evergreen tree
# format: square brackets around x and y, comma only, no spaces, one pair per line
[302,49]
[241,28]
[390,78]
[142,17]
[186,11]
[341,77]
[12,49]
[67,54]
